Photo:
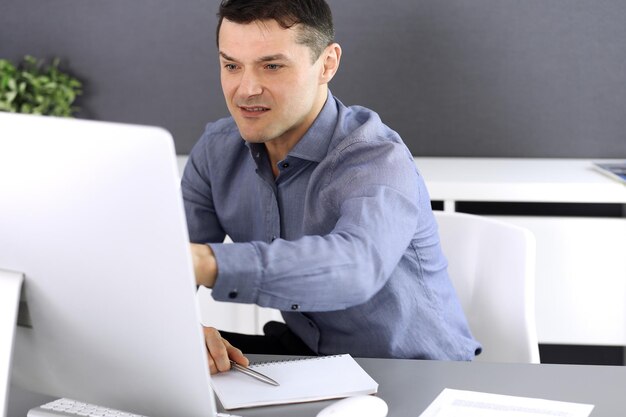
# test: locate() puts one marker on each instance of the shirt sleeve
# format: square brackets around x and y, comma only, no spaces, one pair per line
[369,194]
[202,220]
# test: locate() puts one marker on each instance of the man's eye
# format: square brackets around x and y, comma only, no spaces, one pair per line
[273,67]
[230,67]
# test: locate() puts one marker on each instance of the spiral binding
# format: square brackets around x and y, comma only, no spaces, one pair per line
[308,358]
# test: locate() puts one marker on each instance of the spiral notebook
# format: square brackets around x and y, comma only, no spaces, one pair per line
[301,380]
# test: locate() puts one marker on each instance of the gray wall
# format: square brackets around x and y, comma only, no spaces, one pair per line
[508,78]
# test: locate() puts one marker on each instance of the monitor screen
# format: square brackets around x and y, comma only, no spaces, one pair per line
[91,214]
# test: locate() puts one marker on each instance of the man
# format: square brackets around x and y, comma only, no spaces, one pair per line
[331,220]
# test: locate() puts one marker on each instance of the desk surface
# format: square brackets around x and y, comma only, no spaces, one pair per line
[409,386]
[550,180]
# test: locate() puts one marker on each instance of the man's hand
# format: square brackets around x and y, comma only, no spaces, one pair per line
[220,351]
[204,264]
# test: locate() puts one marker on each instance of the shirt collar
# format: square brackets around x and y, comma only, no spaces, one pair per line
[313,146]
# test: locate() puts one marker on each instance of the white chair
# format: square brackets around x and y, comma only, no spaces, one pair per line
[492,266]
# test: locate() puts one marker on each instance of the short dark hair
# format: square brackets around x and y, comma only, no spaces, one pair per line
[314,15]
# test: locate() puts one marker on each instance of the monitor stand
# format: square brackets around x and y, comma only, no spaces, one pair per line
[10,289]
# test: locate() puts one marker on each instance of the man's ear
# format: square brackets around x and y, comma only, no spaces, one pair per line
[330,64]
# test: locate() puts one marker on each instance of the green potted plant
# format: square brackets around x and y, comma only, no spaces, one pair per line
[36,88]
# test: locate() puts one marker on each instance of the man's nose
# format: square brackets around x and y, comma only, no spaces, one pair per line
[250,84]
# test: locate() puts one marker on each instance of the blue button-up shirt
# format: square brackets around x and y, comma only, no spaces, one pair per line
[343,241]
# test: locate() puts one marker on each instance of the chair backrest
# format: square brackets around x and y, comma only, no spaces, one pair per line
[492,266]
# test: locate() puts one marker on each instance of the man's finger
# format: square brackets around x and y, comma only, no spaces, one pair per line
[217,350]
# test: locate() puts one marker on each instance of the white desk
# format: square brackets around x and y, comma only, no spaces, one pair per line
[518,180]
[581,267]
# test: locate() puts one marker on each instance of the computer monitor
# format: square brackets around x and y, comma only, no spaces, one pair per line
[91,215]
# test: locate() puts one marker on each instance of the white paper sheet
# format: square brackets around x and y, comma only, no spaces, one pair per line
[458,403]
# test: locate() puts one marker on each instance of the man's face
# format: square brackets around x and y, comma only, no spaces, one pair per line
[271,87]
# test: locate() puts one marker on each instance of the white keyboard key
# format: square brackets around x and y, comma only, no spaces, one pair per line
[64,407]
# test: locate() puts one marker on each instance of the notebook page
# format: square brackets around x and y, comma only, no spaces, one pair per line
[301,380]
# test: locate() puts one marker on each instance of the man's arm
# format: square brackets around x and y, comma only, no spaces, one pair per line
[205,266]
[358,222]
[219,350]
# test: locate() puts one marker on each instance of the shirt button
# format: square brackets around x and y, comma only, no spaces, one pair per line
[295,307]
[285,164]
[233,294]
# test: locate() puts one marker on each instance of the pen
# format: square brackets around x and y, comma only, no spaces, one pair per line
[254,374]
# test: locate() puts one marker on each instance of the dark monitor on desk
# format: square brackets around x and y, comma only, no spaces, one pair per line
[92,218]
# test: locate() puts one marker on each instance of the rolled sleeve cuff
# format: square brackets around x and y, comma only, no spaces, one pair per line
[239,272]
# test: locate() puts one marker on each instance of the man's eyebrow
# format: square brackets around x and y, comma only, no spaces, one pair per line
[277,57]
[267,58]
[226,57]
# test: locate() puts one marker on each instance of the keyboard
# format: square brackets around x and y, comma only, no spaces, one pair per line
[71,408]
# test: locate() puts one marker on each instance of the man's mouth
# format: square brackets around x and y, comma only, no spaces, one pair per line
[253,109]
